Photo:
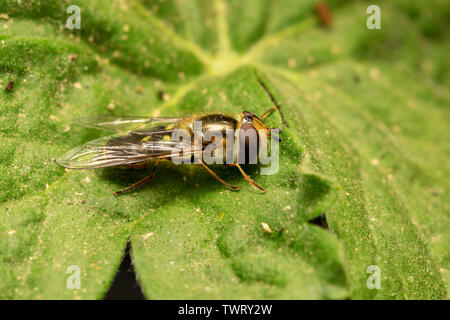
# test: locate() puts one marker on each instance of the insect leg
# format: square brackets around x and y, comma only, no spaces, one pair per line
[140,182]
[218,178]
[268,112]
[248,178]
[141,165]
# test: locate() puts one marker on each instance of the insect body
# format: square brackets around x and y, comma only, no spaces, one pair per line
[140,140]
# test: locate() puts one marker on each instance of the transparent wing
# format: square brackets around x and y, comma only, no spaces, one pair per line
[121,150]
[126,124]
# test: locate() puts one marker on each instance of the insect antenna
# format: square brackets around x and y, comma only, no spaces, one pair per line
[268,112]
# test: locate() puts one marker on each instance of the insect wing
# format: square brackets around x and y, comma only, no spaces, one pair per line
[100,154]
[127,124]
[121,150]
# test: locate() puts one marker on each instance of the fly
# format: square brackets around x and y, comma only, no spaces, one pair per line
[148,139]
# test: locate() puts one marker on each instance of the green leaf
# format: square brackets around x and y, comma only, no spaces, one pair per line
[365,138]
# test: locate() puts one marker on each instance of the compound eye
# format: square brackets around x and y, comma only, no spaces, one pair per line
[248,144]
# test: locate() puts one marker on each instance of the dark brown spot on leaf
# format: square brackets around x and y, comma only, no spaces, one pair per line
[9,86]
[323,13]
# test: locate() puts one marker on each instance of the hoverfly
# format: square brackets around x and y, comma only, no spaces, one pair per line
[149,139]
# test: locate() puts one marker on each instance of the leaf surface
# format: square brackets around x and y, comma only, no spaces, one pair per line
[365,138]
